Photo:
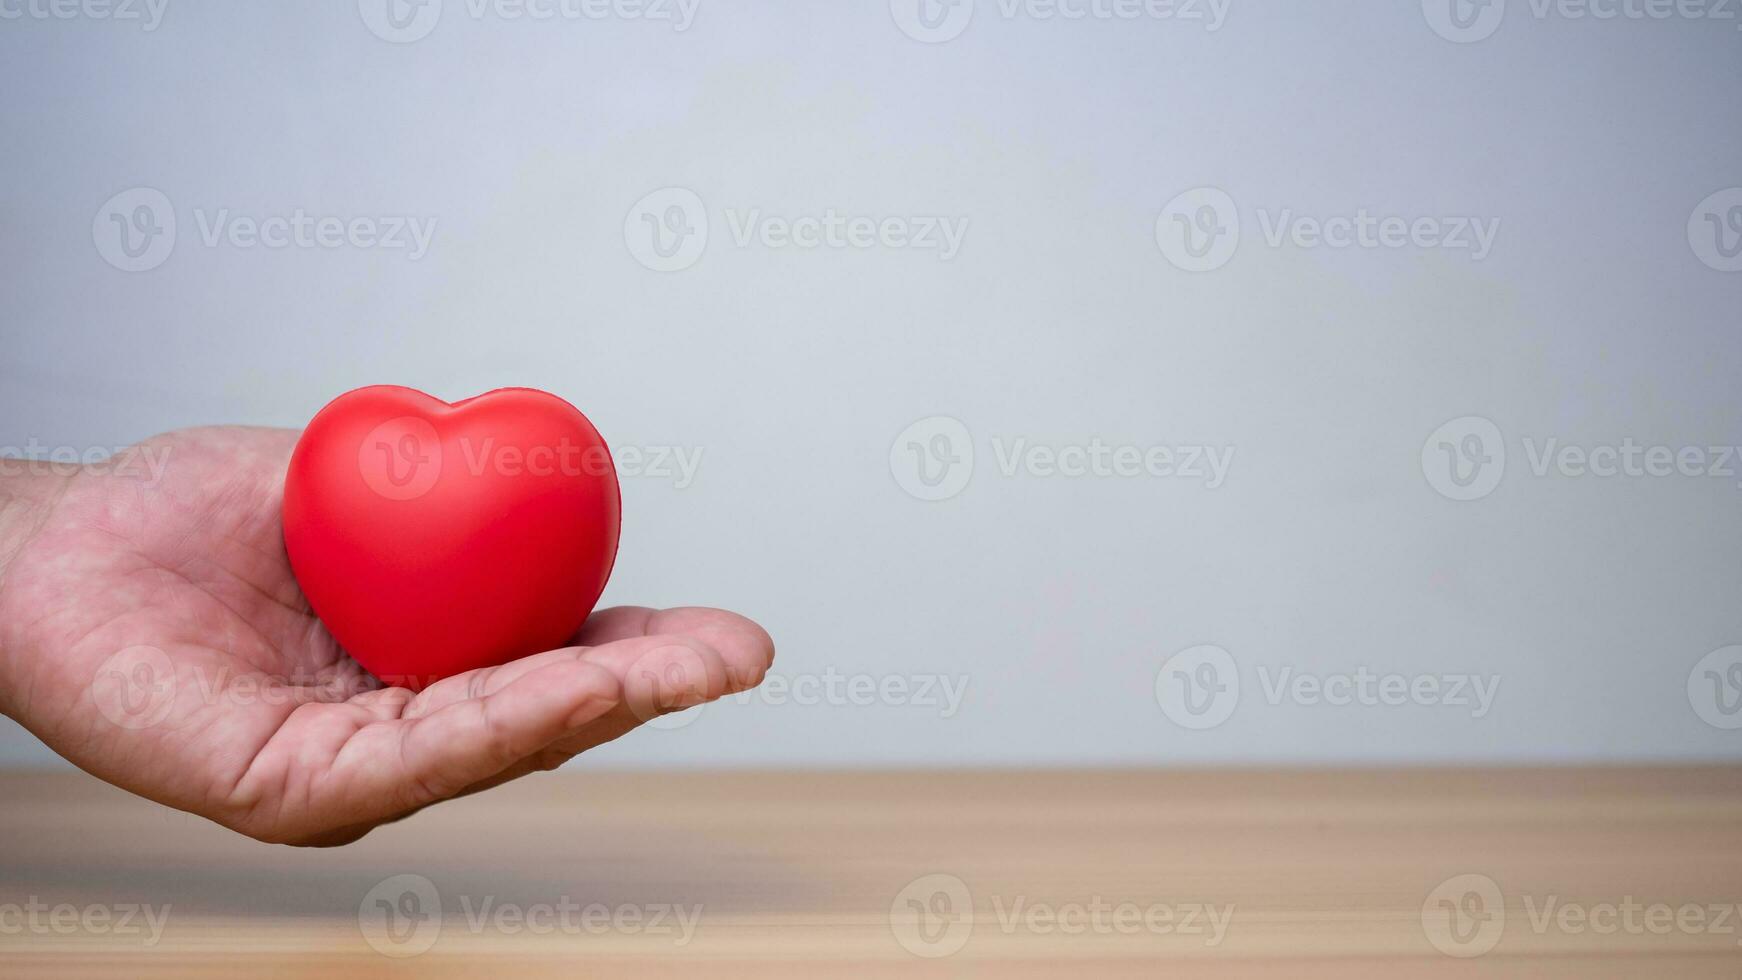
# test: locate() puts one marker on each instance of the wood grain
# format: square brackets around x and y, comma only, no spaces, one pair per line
[811,874]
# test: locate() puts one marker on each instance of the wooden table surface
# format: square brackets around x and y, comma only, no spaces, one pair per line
[1461,873]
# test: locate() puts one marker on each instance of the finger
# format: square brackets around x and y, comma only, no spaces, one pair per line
[484,681]
[651,687]
[448,750]
[616,623]
[655,675]
[745,647]
[420,760]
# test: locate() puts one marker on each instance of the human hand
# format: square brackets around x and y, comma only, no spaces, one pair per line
[151,632]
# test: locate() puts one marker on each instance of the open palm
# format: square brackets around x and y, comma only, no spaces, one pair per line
[151,632]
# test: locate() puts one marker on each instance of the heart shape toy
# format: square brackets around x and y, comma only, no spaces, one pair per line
[432,539]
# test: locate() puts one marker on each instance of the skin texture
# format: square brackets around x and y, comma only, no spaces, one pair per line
[259,721]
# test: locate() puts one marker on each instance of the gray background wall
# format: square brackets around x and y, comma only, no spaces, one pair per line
[1603,310]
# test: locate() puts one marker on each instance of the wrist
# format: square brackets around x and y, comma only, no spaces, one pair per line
[29,490]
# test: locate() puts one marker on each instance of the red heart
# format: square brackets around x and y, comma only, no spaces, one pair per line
[434,538]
